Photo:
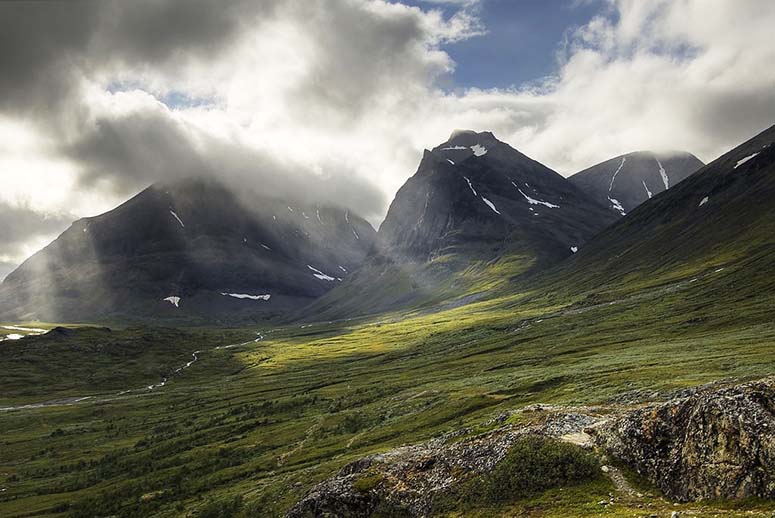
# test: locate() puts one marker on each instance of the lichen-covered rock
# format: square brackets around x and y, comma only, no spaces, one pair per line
[711,444]
[406,481]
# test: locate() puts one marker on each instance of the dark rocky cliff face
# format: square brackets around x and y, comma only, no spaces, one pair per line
[713,444]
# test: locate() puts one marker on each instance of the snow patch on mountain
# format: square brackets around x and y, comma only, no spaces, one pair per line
[611,185]
[533,201]
[490,204]
[247,296]
[647,189]
[479,150]
[175,301]
[174,215]
[746,159]
[663,174]
[704,201]
[320,275]
[470,186]
[617,205]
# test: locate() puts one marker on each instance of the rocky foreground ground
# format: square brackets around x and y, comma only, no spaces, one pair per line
[706,444]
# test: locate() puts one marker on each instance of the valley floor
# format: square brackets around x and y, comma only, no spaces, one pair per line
[248,430]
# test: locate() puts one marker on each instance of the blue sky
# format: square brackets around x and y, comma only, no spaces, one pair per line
[521,41]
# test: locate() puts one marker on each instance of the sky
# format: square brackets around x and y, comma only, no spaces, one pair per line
[519,41]
[101,98]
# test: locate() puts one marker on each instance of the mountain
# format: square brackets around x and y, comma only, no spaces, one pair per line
[474,190]
[476,211]
[627,181]
[193,249]
[719,221]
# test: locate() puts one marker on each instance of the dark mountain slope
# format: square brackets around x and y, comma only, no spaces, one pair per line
[627,181]
[475,213]
[175,250]
[723,216]
[474,190]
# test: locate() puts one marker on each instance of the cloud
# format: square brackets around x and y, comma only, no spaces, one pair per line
[687,74]
[23,232]
[298,81]
[337,98]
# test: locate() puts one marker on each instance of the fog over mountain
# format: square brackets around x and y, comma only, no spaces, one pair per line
[99,99]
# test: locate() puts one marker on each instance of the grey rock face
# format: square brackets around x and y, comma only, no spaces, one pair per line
[713,444]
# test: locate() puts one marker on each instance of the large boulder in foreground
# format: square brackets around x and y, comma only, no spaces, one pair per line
[711,444]
[409,481]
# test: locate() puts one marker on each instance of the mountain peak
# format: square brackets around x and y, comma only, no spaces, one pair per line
[469,138]
[473,201]
[471,133]
[626,181]
[477,186]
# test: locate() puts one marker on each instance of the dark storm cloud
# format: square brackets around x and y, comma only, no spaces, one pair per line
[54,47]
[21,223]
[134,149]
[154,32]
[148,145]
[18,226]
[40,45]
[50,45]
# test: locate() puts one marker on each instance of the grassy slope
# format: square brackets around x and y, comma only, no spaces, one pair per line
[42,368]
[305,401]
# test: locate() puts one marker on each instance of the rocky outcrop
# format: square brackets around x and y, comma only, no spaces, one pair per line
[406,481]
[713,443]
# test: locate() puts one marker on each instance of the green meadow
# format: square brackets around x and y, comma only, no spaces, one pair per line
[247,430]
